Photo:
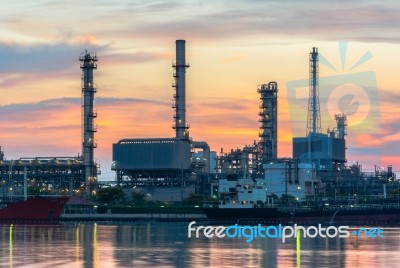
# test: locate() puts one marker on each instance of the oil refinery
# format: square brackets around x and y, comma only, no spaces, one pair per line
[71,175]
[169,169]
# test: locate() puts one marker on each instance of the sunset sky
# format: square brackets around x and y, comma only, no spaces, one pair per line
[232,47]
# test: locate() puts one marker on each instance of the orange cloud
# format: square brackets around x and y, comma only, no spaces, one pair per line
[87,38]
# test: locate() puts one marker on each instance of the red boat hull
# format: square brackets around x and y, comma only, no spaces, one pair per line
[34,211]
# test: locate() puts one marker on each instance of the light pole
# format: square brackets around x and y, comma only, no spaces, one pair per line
[299,189]
[10,183]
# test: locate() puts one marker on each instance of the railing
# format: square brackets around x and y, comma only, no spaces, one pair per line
[294,209]
[211,204]
[363,207]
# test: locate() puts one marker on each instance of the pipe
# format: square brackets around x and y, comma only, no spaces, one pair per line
[206,152]
[25,185]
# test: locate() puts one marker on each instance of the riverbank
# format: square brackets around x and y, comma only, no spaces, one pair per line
[158,217]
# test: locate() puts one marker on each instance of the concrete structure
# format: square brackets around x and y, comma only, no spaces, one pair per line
[151,155]
[242,162]
[161,163]
[150,159]
[291,178]
[88,64]
[322,149]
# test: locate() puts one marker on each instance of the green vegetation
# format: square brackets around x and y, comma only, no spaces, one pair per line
[194,200]
[112,195]
[138,198]
[117,201]
[37,191]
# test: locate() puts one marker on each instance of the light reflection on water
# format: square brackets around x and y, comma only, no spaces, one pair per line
[167,245]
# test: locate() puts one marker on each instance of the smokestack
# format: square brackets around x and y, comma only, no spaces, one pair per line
[180,126]
[88,64]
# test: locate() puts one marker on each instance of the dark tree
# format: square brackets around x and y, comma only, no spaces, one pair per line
[112,195]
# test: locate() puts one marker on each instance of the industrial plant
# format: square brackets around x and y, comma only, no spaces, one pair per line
[169,169]
[72,175]
[166,168]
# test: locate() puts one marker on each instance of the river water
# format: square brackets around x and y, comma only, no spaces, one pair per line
[168,245]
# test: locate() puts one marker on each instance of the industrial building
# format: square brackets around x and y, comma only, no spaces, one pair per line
[71,175]
[157,165]
[291,178]
[171,168]
[247,162]
[298,176]
[324,150]
[317,158]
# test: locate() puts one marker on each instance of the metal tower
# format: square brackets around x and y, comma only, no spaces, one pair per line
[180,126]
[268,121]
[88,64]
[314,115]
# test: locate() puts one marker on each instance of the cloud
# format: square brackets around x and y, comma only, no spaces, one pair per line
[53,127]
[350,21]
[18,58]
[126,57]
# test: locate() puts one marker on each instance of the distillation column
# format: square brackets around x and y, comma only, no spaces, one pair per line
[341,125]
[88,64]
[314,115]
[180,126]
[268,121]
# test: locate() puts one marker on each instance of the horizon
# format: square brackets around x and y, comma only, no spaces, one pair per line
[231,50]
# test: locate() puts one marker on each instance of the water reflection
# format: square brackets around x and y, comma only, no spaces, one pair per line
[167,245]
[11,245]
